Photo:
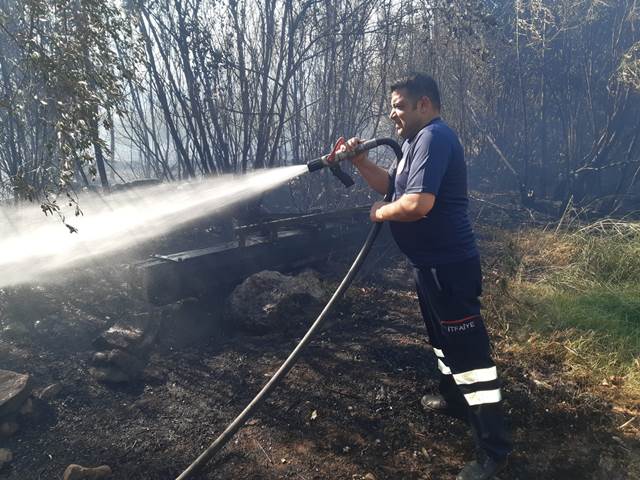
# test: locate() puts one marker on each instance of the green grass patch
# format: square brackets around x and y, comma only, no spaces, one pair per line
[586,285]
[612,316]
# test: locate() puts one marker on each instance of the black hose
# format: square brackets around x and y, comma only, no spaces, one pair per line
[290,361]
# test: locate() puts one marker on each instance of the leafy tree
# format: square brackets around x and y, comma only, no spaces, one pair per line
[62,79]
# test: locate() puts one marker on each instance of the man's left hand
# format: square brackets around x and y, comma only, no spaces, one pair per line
[374,216]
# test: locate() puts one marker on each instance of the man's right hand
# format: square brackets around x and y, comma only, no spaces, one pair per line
[350,145]
[375,176]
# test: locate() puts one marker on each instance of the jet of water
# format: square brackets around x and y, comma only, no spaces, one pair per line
[33,245]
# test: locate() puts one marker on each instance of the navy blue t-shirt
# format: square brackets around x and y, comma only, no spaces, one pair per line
[433,162]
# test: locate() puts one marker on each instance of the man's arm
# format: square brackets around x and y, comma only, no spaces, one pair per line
[376,177]
[408,208]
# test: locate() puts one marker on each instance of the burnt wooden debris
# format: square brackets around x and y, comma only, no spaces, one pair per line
[275,242]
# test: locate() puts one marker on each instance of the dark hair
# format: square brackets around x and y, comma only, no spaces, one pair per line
[419,85]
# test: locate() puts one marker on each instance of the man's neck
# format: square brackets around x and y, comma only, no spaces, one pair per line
[431,118]
[427,121]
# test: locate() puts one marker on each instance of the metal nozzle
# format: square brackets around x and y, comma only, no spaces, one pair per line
[316,164]
[322,162]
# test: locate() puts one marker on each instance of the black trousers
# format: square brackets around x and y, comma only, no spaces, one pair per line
[450,306]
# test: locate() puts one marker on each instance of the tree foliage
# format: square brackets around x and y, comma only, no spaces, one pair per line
[62,81]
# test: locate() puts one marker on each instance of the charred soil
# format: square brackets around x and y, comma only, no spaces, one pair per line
[349,409]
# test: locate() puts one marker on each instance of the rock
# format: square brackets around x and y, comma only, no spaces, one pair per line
[78,472]
[132,339]
[8,428]
[119,358]
[269,300]
[109,375]
[5,457]
[119,336]
[370,476]
[125,351]
[14,390]
[50,391]
[116,366]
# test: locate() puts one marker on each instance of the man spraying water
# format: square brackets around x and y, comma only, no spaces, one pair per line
[426,206]
[429,222]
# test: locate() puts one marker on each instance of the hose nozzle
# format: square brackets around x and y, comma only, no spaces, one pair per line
[316,164]
[332,159]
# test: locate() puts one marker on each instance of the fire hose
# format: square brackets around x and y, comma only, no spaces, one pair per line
[331,161]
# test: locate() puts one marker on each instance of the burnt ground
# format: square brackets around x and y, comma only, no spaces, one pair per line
[348,410]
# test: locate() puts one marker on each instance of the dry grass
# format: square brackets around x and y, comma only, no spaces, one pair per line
[579,290]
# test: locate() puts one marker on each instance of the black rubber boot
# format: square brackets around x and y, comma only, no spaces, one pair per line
[481,470]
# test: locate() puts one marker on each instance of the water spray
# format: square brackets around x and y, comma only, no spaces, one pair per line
[35,248]
[327,161]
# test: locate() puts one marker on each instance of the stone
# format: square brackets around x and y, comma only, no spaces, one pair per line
[8,428]
[50,392]
[14,391]
[109,375]
[120,359]
[124,351]
[119,336]
[269,300]
[5,457]
[78,472]
[369,476]
[116,366]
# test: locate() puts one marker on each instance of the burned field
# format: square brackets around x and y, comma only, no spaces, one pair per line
[348,410]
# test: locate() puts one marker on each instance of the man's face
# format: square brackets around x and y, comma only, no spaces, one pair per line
[408,115]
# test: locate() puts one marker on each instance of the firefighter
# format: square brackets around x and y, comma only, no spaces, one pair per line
[429,222]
